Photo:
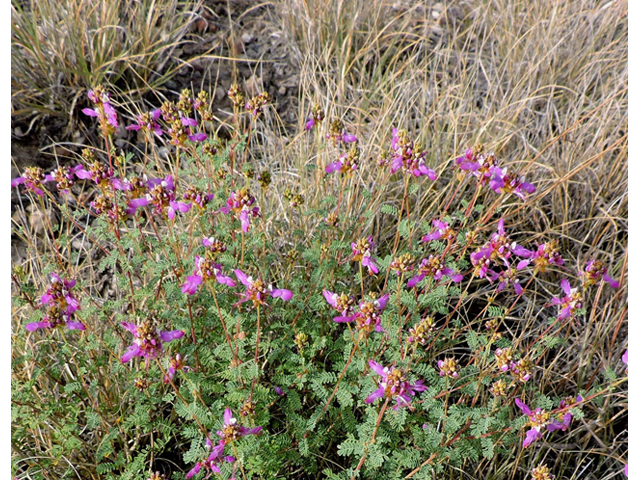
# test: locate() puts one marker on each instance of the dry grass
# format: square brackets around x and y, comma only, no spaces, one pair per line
[61,49]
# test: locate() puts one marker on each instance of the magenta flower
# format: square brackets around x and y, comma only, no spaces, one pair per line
[482,166]
[32,178]
[433,267]
[316,116]
[594,271]
[278,391]
[147,122]
[361,251]
[162,196]
[570,302]
[343,304]
[625,360]
[538,420]
[498,247]
[408,155]
[257,291]
[240,202]
[215,458]
[103,108]
[545,255]
[231,431]
[394,384]
[368,316]
[441,229]
[61,305]
[565,421]
[505,278]
[147,340]
[98,172]
[338,134]
[175,364]
[346,164]
[205,269]
[503,182]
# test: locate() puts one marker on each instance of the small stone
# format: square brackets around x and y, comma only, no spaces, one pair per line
[246,38]
[282,91]
[120,143]
[164,153]
[220,93]
[17,132]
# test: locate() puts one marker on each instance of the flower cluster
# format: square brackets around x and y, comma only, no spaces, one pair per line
[205,269]
[343,303]
[448,368]
[368,315]
[422,332]
[545,255]
[61,306]
[497,248]
[347,163]
[441,230]
[257,291]
[361,251]
[148,122]
[594,271]
[162,196]
[175,364]
[316,116]
[539,420]
[568,304]
[338,134]
[257,103]
[102,109]
[433,266]
[240,202]
[147,340]
[541,472]
[408,155]
[520,369]
[394,385]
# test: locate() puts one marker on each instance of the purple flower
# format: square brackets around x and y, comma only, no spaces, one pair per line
[594,271]
[147,122]
[278,391]
[257,291]
[342,303]
[570,302]
[338,134]
[394,384]
[147,340]
[205,269]
[240,202]
[545,255]
[361,251]
[211,463]
[433,267]
[162,196]
[175,364]
[503,182]
[231,431]
[103,109]
[625,360]
[367,317]
[347,163]
[32,178]
[441,229]
[61,305]
[498,247]
[565,421]
[506,277]
[538,420]
[482,166]
[408,155]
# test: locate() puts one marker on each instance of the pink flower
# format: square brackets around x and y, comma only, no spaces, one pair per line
[147,122]
[61,306]
[440,229]
[482,166]
[32,178]
[215,458]
[506,277]
[103,109]
[545,255]
[498,247]
[538,420]
[394,384]
[625,360]
[240,202]
[594,271]
[205,269]
[231,431]
[433,267]
[367,317]
[162,196]
[147,340]
[408,155]
[361,251]
[571,302]
[342,303]
[175,364]
[503,182]
[257,291]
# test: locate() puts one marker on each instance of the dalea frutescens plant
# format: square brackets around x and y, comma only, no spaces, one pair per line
[243,334]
